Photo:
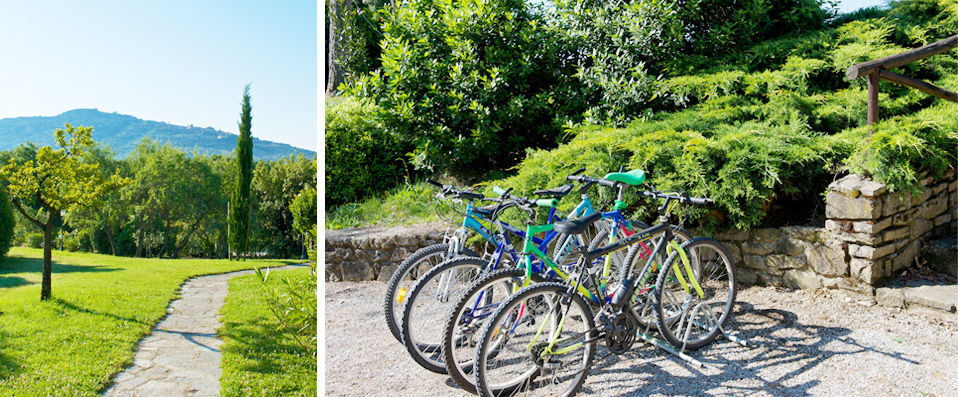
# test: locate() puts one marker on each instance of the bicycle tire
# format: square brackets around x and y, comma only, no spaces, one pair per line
[421,311]
[393,309]
[493,343]
[677,300]
[645,310]
[459,361]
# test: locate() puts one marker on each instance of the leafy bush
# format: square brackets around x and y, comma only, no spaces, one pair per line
[361,157]
[468,84]
[293,304]
[7,222]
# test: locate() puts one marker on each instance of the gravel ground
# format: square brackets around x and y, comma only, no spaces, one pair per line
[801,343]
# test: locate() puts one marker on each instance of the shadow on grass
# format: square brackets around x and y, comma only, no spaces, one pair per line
[63,304]
[10,282]
[17,264]
[259,343]
[809,345]
[8,367]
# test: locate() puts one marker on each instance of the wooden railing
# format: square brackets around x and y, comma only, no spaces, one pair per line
[876,69]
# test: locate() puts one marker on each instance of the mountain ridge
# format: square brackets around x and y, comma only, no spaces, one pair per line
[122,133]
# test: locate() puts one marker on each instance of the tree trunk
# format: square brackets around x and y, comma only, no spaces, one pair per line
[139,240]
[109,237]
[338,10]
[46,284]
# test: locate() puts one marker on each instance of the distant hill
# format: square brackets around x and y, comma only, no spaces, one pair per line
[123,133]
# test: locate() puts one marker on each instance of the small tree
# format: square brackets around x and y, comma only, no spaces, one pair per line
[56,181]
[239,200]
[303,208]
[7,222]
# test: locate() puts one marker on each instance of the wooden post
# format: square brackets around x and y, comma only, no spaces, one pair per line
[872,100]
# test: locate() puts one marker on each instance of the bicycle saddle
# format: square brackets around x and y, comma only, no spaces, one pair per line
[634,177]
[577,226]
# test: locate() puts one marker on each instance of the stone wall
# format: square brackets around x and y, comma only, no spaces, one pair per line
[870,235]
[374,253]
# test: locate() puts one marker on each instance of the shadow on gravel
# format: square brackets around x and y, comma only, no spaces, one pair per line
[775,339]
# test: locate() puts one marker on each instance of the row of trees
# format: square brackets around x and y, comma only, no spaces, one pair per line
[173,204]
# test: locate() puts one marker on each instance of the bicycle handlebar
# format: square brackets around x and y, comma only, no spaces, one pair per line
[448,190]
[681,198]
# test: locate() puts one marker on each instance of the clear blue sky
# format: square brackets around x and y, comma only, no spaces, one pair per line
[846,6]
[178,61]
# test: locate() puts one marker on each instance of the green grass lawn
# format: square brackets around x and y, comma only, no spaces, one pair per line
[258,359]
[101,307]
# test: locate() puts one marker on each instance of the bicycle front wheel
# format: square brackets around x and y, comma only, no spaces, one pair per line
[429,302]
[696,293]
[541,341]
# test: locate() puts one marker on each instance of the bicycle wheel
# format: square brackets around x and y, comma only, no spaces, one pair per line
[428,301]
[461,333]
[686,317]
[643,301]
[539,342]
[405,276]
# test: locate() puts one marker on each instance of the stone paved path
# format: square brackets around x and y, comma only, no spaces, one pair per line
[181,357]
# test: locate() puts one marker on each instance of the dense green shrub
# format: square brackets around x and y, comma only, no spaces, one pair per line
[7,222]
[361,157]
[470,84]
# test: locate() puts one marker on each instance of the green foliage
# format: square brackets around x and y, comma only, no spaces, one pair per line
[240,204]
[275,185]
[304,212]
[293,304]
[467,85]
[7,222]
[405,204]
[74,344]
[258,358]
[361,156]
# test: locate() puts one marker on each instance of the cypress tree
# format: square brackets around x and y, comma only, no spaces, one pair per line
[240,205]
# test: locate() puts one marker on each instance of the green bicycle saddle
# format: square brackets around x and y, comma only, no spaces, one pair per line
[634,177]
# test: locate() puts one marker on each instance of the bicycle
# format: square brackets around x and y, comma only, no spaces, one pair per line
[541,330]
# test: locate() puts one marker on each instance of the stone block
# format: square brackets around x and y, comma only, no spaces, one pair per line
[765,235]
[872,227]
[919,227]
[893,234]
[901,219]
[386,272]
[838,225]
[745,276]
[784,262]
[826,259]
[857,265]
[939,188]
[868,272]
[921,198]
[839,206]
[732,235]
[890,297]
[735,252]
[357,271]
[855,286]
[953,186]
[953,199]
[942,219]
[754,262]
[861,238]
[905,258]
[872,188]
[869,252]
[895,203]
[934,207]
[792,247]
[849,185]
[802,279]
[804,233]
[758,248]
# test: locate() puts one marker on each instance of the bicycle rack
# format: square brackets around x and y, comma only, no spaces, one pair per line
[693,320]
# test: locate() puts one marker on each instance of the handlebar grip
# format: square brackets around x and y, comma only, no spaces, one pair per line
[547,202]
[578,171]
[498,190]
[606,182]
[432,182]
[700,201]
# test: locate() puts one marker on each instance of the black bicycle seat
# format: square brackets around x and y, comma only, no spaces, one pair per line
[485,212]
[577,226]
